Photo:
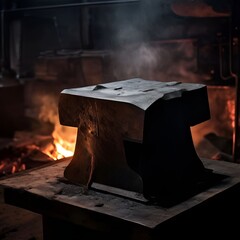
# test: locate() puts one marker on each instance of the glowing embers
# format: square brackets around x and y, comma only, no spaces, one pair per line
[213,139]
[11,165]
[29,150]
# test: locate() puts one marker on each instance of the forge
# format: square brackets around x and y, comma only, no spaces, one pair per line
[135,135]
[135,173]
[151,92]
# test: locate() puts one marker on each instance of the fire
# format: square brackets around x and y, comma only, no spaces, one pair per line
[63,144]
[64,149]
[9,166]
[15,158]
[28,147]
[18,166]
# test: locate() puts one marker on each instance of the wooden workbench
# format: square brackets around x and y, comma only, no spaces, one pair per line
[71,212]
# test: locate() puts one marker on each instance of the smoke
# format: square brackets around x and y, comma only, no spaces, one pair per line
[141,49]
[163,61]
[48,113]
[48,109]
[134,61]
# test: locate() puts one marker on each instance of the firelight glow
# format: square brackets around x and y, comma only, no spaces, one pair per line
[231,107]
[64,149]
[63,144]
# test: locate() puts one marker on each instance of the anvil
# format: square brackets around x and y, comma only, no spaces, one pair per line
[135,135]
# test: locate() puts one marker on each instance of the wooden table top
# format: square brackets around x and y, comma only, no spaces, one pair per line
[45,191]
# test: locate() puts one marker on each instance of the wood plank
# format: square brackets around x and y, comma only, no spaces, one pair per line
[45,191]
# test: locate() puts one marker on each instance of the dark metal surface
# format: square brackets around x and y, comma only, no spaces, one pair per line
[135,134]
[12,109]
[136,91]
[5,59]
[69,5]
[5,24]
[234,40]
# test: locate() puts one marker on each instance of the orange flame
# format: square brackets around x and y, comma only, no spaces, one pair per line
[62,146]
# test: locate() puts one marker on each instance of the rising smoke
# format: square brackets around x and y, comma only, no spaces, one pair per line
[48,112]
[149,44]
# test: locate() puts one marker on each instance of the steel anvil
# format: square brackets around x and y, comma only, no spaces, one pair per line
[135,135]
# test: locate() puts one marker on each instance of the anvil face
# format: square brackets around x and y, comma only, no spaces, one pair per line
[135,135]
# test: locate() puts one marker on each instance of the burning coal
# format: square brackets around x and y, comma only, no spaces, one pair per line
[30,149]
[64,138]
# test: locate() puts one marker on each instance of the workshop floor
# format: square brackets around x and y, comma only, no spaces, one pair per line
[18,224]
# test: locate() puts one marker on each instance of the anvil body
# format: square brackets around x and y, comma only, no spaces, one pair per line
[135,135]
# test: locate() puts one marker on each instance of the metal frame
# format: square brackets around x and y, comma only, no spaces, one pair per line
[6,12]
